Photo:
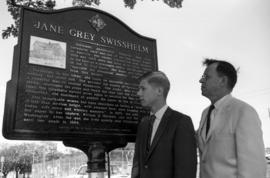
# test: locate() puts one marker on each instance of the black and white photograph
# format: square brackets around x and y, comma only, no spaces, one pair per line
[135,89]
[47,52]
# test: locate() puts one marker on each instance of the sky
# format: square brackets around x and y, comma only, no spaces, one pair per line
[232,30]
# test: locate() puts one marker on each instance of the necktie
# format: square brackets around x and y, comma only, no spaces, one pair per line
[149,132]
[208,122]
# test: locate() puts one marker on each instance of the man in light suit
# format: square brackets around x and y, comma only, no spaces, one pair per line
[170,149]
[230,139]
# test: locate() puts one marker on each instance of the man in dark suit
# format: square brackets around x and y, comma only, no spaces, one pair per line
[166,147]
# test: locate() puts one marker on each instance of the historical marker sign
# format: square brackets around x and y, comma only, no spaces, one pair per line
[75,76]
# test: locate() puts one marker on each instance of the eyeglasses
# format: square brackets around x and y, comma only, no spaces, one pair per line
[204,77]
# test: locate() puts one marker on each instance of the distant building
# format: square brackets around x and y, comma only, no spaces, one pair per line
[68,165]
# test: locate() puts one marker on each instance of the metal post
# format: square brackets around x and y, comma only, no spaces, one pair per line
[96,160]
[95,151]
[43,163]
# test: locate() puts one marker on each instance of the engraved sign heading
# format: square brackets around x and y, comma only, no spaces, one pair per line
[75,76]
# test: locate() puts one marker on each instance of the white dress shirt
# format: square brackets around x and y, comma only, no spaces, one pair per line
[218,104]
[159,114]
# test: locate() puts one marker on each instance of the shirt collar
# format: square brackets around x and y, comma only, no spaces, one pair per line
[221,102]
[161,112]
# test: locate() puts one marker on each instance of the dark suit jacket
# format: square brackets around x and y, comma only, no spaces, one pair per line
[173,151]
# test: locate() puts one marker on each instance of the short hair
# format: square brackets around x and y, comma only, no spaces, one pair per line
[224,68]
[159,79]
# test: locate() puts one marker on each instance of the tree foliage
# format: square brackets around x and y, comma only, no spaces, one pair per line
[19,158]
[13,29]
[82,3]
[16,159]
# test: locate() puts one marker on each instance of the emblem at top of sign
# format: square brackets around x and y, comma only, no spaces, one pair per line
[97,23]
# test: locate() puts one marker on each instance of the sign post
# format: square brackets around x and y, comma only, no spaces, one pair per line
[75,77]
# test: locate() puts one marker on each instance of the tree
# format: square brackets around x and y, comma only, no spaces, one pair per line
[19,158]
[12,30]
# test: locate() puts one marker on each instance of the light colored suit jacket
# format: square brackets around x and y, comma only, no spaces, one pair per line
[234,145]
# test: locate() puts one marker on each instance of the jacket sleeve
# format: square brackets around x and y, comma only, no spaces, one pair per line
[135,172]
[185,152]
[135,167]
[249,145]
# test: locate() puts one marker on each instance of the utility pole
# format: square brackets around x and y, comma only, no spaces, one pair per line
[269,113]
[44,170]
[2,165]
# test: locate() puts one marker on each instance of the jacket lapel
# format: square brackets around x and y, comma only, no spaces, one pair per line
[220,118]
[201,137]
[201,134]
[144,139]
[161,128]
